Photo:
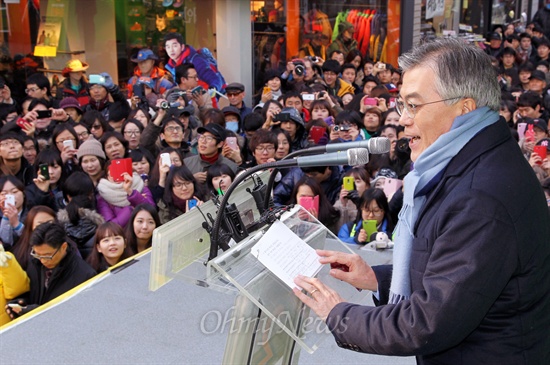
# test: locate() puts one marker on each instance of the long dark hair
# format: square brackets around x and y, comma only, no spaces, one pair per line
[96,259]
[60,128]
[51,157]
[131,234]
[218,169]
[377,195]
[80,188]
[154,173]
[183,173]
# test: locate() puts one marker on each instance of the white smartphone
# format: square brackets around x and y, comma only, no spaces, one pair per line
[308,97]
[165,159]
[68,142]
[15,306]
[10,199]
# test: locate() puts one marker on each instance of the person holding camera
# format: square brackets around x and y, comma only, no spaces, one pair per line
[146,67]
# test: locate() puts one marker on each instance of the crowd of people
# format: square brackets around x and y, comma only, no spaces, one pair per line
[65,217]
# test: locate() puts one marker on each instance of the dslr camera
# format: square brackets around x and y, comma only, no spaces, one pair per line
[299,69]
[341,127]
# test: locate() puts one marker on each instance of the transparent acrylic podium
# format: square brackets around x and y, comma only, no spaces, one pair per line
[269,319]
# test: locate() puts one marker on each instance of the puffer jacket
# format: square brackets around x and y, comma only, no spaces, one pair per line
[83,232]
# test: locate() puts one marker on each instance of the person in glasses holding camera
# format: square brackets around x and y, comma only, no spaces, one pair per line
[55,268]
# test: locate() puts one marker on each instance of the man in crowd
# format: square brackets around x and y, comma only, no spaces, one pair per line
[235,94]
[38,87]
[204,62]
[145,60]
[55,268]
[187,79]
[336,86]
[12,161]
[470,281]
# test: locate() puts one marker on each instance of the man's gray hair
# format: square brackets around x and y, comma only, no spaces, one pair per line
[461,70]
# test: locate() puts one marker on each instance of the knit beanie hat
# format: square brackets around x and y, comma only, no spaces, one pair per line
[91,147]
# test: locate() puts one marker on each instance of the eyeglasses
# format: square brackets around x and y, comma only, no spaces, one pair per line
[133,133]
[9,142]
[231,95]
[173,129]
[265,149]
[202,137]
[31,90]
[401,105]
[83,134]
[193,77]
[179,185]
[96,126]
[374,212]
[45,258]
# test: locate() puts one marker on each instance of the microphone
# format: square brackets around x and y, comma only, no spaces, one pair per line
[375,145]
[353,156]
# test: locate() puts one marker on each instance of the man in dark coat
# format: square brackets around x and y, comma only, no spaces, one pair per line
[56,267]
[470,282]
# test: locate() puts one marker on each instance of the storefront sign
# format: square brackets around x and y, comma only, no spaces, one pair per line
[434,8]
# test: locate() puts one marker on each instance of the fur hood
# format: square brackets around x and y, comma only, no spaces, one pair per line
[84,213]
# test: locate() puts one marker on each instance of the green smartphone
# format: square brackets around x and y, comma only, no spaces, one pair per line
[370,227]
[349,183]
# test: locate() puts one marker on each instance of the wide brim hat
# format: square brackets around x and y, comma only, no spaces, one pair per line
[74,66]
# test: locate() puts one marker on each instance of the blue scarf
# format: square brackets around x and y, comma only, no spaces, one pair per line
[429,164]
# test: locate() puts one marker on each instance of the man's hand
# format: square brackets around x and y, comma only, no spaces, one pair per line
[321,298]
[359,273]
[200,177]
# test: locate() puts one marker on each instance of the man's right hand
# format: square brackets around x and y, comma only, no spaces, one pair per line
[359,273]
[200,177]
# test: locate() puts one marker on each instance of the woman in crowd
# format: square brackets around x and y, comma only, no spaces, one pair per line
[46,190]
[139,232]
[320,109]
[141,115]
[159,171]
[110,247]
[114,145]
[349,124]
[391,117]
[219,177]
[356,59]
[92,159]
[116,200]
[182,192]
[269,110]
[79,217]
[95,122]
[140,164]
[14,209]
[326,214]
[66,142]
[131,130]
[507,110]
[283,144]
[36,216]
[373,206]
[371,123]
[349,199]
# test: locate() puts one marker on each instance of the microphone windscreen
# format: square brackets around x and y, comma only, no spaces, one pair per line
[379,145]
[358,156]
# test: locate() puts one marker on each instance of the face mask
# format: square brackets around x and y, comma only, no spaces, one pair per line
[232,126]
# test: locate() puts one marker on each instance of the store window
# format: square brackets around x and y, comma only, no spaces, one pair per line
[284,30]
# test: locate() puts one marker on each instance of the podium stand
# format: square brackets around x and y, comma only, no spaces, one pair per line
[268,320]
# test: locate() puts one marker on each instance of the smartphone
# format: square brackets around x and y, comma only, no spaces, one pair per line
[391,186]
[349,183]
[191,203]
[68,142]
[521,130]
[96,79]
[267,89]
[392,102]
[10,199]
[120,166]
[44,171]
[541,151]
[43,114]
[232,143]
[370,101]
[281,117]
[165,159]
[316,133]
[22,123]
[308,97]
[370,227]
[138,90]
[309,202]
[382,66]
[198,90]
[530,134]
[15,306]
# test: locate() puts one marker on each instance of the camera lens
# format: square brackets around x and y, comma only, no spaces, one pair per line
[299,70]
[402,146]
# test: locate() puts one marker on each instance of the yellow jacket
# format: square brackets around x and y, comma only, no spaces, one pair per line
[13,282]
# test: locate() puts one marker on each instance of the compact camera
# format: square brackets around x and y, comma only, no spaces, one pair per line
[166,105]
[343,128]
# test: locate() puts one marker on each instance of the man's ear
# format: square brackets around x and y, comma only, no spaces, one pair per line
[220,144]
[468,105]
